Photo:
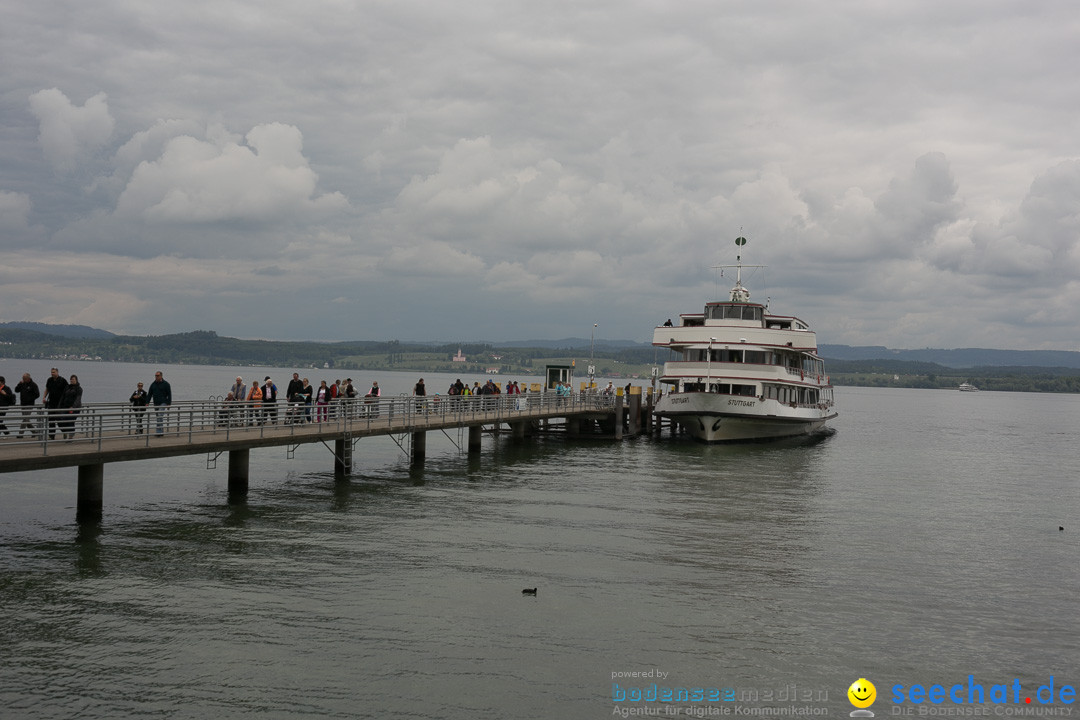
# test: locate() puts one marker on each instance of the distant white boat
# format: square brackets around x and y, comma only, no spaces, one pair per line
[968,387]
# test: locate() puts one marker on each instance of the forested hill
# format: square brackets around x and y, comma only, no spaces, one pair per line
[959,358]
[200,347]
[68,331]
[1006,370]
[203,347]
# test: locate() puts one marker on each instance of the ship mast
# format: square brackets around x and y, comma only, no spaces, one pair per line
[739,293]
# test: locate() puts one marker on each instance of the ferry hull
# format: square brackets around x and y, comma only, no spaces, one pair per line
[715,418]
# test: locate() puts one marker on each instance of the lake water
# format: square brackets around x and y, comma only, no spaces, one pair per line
[917,544]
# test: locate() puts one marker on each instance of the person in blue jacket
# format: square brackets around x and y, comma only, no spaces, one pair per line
[160,393]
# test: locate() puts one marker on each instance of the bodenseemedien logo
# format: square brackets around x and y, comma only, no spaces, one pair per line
[862,694]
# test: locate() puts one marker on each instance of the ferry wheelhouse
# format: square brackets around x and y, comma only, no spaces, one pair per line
[739,372]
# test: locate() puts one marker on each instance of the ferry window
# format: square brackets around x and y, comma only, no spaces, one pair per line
[733,312]
[723,389]
[751,313]
[747,390]
[756,357]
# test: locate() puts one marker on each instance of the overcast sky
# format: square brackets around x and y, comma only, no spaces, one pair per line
[333,170]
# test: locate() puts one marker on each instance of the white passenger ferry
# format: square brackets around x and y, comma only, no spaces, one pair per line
[742,373]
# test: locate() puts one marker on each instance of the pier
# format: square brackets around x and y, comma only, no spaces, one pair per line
[105,433]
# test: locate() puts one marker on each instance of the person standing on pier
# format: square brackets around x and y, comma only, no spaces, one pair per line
[348,398]
[335,397]
[161,395]
[54,391]
[138,402]
[70,404]
[239,391]
[270,400]
[307,393]
[608,393]
[28,395]
[294,396]
[322,401]
[7,399]
[371,400]
[296,387]
[255,399]
[420,392]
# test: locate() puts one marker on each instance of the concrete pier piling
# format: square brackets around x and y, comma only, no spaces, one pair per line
[91,492]
[517,430]
[239,461]
[342,458]
[475,432]
[635,411]
[419,445]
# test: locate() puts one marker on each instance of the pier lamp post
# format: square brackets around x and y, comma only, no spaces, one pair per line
[592,368]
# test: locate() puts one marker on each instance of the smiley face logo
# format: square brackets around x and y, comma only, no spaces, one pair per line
[862,693]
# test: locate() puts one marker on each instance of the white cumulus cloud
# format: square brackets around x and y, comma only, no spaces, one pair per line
[67,133]
[206,181]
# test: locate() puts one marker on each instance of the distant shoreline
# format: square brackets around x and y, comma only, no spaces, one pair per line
[892,368]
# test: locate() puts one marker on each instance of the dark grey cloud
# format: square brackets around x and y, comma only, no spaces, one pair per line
[532,169]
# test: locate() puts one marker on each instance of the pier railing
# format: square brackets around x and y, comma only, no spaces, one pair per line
[105,423]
